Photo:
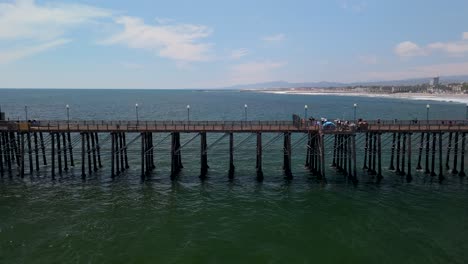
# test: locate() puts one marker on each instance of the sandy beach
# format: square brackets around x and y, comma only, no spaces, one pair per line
[453,98]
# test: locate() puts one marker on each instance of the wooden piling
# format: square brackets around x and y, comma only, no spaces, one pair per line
[83,161]
[345,155]
[259,157]
[334,151]
[449,148]
[421,146]
[125,150]
[409,177]
[441,170]
[7,151]
[369,166]
[403,156]
[59,154]
[203,156]
[365,151]
[44,157]
[231,155]
[112,135]
[392,156]
[70,149]
[36,151]
[98,150]
[462,157]
[434,138]
[322,157]
[287,155]
[30,153]
[398,151]
[426,165]
[374,155]
[379,155]
[455,155]
[65,146]
[52,155]
[354,159]
[22,154]
[93,150]
[143,161]
[88,151]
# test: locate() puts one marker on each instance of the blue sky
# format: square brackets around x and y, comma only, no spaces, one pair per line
[206,44]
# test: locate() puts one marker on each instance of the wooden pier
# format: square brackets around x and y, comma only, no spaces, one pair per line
[54,146]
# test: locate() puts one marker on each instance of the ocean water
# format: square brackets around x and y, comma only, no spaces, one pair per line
[124,220]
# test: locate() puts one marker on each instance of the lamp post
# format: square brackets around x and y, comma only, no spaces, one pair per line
[427,113]
[355,107]
[245,112]
[188,113]
[305,113]
[26,112]
[136,112]
[68,116]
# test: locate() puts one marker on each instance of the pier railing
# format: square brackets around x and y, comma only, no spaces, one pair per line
[220,126]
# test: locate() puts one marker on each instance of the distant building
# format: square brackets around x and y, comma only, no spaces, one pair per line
[435,81]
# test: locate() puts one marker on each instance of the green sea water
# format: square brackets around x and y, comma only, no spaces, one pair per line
[101,220]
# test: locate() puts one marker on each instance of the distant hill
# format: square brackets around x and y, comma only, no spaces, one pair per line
[285,84]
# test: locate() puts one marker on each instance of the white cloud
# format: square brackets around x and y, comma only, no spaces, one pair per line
[254,72]
[24,19]
[275,38]
[368,59]
[238,53]
[32,28]
[453,48]
[408,49]
[420,72]
[179,42]
[19,53]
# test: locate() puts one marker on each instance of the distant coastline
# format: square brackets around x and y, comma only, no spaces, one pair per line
[440,97]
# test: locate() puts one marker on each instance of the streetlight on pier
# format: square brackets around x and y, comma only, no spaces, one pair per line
[188,112]
[26,112]
[136,112]
[355,107]
[305,113]
[427,113]
[245,112]
[68,116]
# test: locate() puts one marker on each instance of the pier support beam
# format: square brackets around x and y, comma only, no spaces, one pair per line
[392,157]
[30,154]
[426,165]
[455,155]
[52,155]
[355,180]
[434,138]
[59,154]
[70,150]
[98,150]
[379,155]
[259,157]
[44,157]
[124,137]
[449,148]
[36,151]
[2,155]
[441,170]
[93,149]
[462,157]
[365,151]
[83,161]
[88,151]
[409,177]
[403,156]
[231,156]
[287,156]
[398,151]
[203,156]
[65,146]
[421,146]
